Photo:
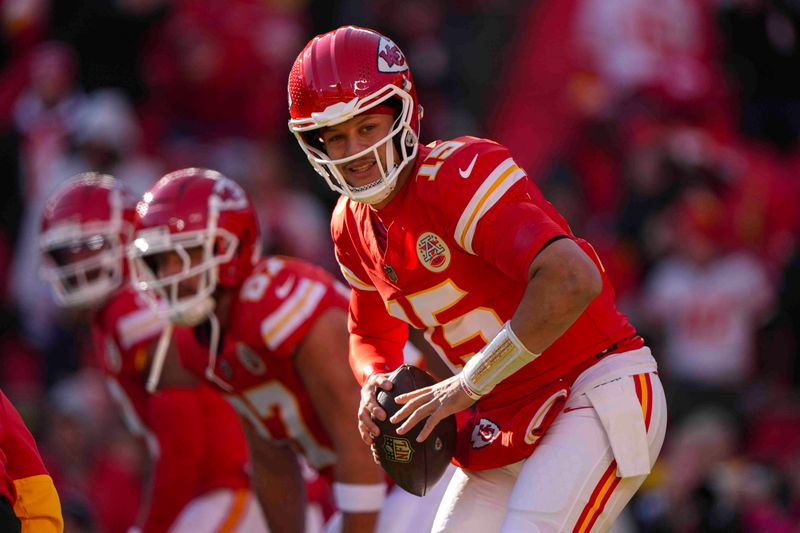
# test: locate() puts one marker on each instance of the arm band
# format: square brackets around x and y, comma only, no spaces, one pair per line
[353,498]
[504,355]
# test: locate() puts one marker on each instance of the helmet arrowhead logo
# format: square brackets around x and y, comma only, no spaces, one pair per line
[390,58]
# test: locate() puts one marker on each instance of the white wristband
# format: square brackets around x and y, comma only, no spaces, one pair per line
[504,355]
[352,498]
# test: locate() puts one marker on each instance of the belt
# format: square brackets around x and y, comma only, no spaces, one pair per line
[576,371]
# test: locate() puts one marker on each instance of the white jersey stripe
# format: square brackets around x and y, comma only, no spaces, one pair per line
[491,190]
[277,327]
[354,281]
[138,326]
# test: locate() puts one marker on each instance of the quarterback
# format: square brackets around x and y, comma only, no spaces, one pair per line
[561,412]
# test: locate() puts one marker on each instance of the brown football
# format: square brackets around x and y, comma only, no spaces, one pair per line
[415,466]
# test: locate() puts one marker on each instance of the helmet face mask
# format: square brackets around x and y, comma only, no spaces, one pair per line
[85,228]
[83,273]
[198,253]
[196,231]
[339,76]
[400,136]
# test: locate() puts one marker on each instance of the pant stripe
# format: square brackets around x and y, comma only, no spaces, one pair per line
[598,499]
[609,481]
[236,511]
[644,391]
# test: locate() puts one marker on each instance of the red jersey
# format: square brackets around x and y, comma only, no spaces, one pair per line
[123,330]
[193,435]
[275,308]
[459,240]
[24,480]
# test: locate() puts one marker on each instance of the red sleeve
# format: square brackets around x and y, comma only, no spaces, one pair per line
[376,338]
[513,232]
[27,483]
[490,207]
[177,421]
[22,455]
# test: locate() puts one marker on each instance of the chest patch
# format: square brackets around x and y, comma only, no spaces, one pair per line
[432,252]
[250,360]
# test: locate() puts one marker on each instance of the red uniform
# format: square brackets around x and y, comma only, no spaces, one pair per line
[275,308]
[193,435]
[24,480]
[459,239]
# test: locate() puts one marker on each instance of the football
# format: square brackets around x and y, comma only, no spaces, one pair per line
[414,466]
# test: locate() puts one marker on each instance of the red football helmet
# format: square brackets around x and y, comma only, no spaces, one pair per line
[188,209]
[85,227]
[342,74]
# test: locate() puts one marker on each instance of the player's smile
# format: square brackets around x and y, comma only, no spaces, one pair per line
[361,172]
[353,137]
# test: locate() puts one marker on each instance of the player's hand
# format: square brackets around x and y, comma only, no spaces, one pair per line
[369,407]
[434,403]
[375,456]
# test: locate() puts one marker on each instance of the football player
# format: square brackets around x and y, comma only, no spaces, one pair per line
[28,500]
[199,482]
[561,411]
[271,334]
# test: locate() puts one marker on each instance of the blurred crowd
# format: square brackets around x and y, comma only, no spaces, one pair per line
[668,134]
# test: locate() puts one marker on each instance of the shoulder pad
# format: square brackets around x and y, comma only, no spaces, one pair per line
[457,164]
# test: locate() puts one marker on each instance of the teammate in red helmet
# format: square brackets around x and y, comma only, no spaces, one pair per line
[271,334]
[198,449]
[561,412]
[28,500]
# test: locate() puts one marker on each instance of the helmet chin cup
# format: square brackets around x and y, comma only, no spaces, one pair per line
[192,312]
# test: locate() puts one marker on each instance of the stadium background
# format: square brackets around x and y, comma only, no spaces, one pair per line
[666,132]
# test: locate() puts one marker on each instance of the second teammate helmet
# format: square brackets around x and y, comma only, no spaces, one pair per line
[193,211]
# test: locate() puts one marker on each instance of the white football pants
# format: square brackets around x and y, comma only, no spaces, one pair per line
[587,466]
[235,511]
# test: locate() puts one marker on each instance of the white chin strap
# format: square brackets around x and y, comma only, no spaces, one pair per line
[213,349]
[157,364]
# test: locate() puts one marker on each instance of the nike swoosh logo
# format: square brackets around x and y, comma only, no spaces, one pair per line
[282,291]
[465,173]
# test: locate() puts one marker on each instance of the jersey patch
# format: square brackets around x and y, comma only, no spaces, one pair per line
[432,252]
[250,360]
[484,433]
